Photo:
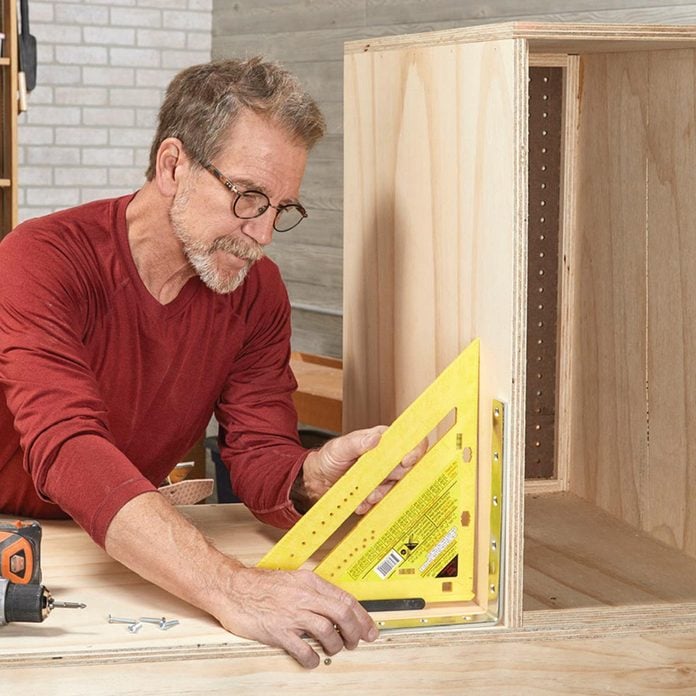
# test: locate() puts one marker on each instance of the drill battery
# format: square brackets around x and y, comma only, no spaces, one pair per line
[20,546]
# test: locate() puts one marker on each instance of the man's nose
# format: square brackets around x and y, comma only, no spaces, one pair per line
[260,228]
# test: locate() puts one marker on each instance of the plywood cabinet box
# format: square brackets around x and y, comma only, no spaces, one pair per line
[534,185]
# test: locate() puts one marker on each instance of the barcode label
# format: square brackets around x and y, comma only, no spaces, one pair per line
[388,563]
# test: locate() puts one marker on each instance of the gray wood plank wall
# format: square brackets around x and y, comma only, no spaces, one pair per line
[308,37]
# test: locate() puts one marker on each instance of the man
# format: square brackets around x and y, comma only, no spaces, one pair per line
[125,323]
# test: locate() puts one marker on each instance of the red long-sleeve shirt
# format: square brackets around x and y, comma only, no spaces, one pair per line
[104,389]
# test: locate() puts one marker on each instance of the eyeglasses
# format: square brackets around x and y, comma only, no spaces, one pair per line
[252,204]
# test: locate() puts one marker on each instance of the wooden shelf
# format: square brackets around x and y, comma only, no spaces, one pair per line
[319,394]
[577,556]
[5,183]
[4,61]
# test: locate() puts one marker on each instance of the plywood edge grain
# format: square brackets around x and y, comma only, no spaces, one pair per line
[641,665]
[542,486]
[513,486]
[575,36]
[566,339]
[539,626]
[622,620]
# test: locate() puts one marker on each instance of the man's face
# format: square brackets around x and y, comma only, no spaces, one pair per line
[221,247]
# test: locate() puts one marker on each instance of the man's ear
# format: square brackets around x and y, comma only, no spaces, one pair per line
[170,164]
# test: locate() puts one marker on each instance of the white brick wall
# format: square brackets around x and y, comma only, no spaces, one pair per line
[103,66]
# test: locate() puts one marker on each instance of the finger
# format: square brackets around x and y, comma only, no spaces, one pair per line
[409,461]
[374,497]
[349,447]
[299,650]
[346,613]
[328,634]
[416,453]
[398,473]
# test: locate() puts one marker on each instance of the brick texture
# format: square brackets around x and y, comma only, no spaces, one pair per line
[103,68]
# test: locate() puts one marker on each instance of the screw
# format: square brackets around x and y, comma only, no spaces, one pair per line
[151,619]
[134,628]
[169,624]
[116,619]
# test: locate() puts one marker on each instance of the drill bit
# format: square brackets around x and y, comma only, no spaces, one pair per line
[53,604]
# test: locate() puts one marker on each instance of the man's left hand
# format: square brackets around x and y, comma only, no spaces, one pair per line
[324,467]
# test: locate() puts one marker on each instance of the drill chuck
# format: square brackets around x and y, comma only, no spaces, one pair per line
[30,603]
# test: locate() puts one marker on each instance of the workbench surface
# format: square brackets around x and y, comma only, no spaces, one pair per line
[77,652]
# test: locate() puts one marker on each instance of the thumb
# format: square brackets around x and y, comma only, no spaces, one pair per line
[351,446]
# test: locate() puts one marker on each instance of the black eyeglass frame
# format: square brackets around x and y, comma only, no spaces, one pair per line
[227,183]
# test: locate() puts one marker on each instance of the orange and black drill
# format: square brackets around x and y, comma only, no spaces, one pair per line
[22,596]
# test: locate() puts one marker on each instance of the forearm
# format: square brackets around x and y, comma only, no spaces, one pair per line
[149,536]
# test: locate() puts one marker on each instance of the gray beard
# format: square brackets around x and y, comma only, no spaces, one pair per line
[200,255]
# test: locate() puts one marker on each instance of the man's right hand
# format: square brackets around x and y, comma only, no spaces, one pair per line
[278,607]
[152,538]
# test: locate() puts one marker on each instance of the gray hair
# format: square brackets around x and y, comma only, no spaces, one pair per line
[203,101]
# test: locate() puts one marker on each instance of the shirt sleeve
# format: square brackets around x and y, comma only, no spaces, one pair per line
[259,443]
[51,390]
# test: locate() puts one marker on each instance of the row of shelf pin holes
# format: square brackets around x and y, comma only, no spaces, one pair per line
[540,289]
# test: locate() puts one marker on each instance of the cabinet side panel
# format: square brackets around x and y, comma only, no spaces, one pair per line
[608,441]
[634,433]
[434,241]
[670,505]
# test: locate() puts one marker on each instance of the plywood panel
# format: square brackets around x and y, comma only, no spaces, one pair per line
[434,246]
[608,438]
[578,556]
[649,649]
[633,434]
[548,37]
[670,506]
[640,665]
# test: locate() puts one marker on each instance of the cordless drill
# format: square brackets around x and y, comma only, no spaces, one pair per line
[22,596]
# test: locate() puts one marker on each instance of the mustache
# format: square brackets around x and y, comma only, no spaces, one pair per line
[241,248]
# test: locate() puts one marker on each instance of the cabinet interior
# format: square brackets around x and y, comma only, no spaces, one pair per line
[611,436]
